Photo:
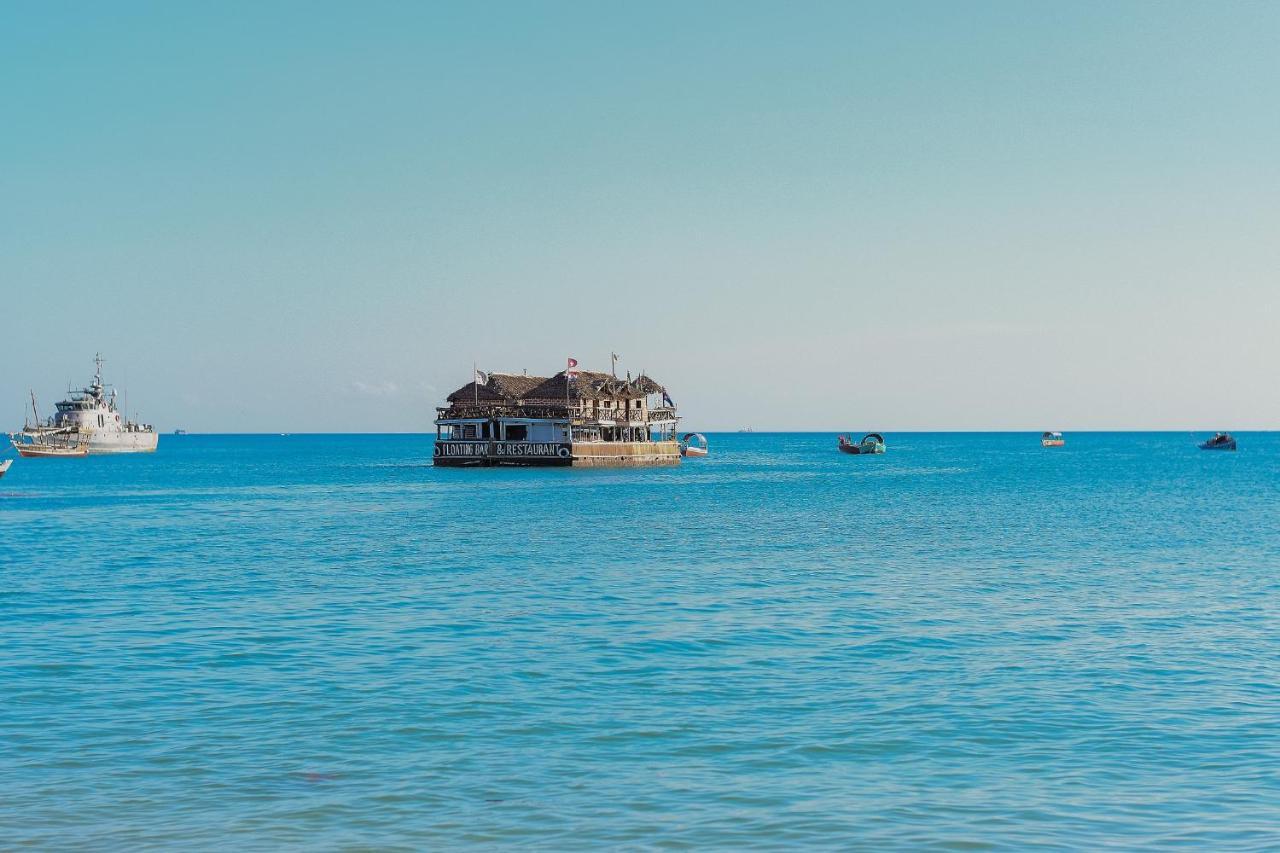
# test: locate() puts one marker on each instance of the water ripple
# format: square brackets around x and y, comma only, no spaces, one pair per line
[324,642]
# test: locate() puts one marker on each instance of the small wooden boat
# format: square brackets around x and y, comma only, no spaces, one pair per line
[4,466]
[872,442]
[49,451]
[47,446]
[1221,441]
[1052,439]
[693,444]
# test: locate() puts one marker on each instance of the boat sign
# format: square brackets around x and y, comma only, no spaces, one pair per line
[530,448]
[462,448]
[502,450]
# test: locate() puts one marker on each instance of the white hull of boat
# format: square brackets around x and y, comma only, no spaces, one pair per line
[125,442]
[105,441]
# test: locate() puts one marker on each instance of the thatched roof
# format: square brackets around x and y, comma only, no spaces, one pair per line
[500,387]
[590,385]
[587,385]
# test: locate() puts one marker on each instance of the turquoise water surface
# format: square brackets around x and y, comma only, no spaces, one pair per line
[322,641]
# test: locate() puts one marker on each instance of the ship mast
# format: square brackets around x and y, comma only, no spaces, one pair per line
[98,388]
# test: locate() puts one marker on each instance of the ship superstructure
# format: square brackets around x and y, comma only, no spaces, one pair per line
[576,417]
[89,418]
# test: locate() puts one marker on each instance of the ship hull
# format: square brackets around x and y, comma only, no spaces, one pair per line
[861,449]
[626,454]
[494,463]
[597,454]
[128,442]
[101,442]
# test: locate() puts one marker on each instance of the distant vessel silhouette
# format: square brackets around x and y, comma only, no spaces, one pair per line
[1221,441]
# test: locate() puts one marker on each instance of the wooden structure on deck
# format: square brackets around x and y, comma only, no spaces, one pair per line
[577,417]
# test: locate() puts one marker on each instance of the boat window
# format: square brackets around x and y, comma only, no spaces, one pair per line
[517,432]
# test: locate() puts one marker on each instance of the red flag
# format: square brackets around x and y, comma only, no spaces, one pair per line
[569,371]
[573,362]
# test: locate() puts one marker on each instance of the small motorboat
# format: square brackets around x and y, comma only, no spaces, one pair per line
[872,442]
[693,444]
[1052,439]
[1221,441]
[4,466]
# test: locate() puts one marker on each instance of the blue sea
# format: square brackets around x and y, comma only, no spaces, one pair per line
[321,642]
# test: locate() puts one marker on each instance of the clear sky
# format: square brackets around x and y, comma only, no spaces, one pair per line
[314,216]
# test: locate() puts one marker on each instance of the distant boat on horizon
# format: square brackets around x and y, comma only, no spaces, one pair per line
[1052,439]
[1220,441]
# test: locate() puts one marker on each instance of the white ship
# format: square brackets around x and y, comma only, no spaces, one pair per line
[89,418]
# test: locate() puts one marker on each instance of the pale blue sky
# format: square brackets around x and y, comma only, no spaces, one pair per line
[312,217]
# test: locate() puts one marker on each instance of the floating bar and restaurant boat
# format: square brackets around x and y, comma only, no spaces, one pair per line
[1052,439]
[89,418]
[574,418]
[872,442]
[1220,441]
[693,444]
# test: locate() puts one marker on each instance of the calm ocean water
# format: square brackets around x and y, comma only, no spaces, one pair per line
[322,641]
